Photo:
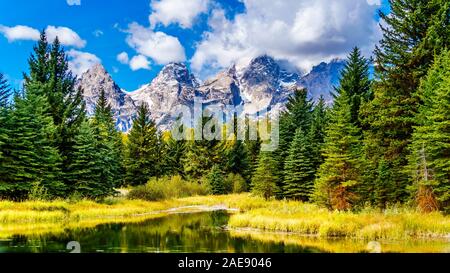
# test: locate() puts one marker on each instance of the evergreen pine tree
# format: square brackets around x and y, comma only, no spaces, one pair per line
[355,82]
[216,180]
[237,159]
[202,155]
[316,134]
[253,147]
[339,175]
[297,115]
[109,142]
[48,68]
[142,158]
[4,127]
[86,167]
[264,181]
[38,63]
[173,157]
[299,169]
[32,154]
[413,31]
[5,92]
[429,162]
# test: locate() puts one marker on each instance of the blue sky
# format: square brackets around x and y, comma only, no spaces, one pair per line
[209,35]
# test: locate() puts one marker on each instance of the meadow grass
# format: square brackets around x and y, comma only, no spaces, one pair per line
[369,224]
[251,213]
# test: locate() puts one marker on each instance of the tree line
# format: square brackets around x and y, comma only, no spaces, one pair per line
[51,148]
[384,140]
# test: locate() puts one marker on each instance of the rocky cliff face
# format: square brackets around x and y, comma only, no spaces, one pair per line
[264,85]
[261,85]
[322,79]
[96,79]
[173,86]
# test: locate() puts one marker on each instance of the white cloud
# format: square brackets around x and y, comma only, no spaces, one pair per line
[65,35]
[139,62]
[159,46]
[182,12]
[80,62]
[73,2]
[19,33]
[123,58]
[302,32]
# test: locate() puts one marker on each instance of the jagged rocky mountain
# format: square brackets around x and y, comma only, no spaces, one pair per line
[96,79]
[262,85]
[322,79]
[173,86]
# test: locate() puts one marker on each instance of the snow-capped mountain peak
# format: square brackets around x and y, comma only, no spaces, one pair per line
[262,85]
[173,86]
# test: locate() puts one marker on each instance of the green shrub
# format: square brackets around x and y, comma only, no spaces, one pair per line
[167,188]
[38,192]
[228,183]
[239,184]
[234,183]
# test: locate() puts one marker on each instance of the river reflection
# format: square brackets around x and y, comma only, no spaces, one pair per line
[194,232]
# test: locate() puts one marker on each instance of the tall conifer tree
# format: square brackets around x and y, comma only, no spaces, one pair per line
[339,175]
[355,82]
[142,158]
[265,179]
[33,157]
[297,115]
[299,169]
[429,162]
[413,31]
[316,133]
[5,93]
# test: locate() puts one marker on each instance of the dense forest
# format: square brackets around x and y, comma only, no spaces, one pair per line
[385,139]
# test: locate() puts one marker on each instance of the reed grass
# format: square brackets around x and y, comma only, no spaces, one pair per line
[370,224]
[251,212]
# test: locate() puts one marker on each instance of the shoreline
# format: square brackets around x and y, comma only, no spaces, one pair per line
[247,212]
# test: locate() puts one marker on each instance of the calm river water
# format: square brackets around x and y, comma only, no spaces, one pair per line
[197,232]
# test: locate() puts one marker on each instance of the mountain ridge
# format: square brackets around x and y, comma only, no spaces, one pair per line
[261,85]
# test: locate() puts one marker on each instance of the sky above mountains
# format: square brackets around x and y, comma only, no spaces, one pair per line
[134,39]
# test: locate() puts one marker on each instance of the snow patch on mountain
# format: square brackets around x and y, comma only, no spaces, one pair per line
[261,86]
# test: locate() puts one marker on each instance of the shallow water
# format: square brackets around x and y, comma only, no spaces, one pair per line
[195,232]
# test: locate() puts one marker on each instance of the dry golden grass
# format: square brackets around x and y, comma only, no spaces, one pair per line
[254,212]
[297,217]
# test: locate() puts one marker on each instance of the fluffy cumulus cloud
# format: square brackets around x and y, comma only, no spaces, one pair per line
[80,62]
[66,36]
[123,58]
[139,62]
[302,32]
[73,2]
[19,33]
[180,12]
[158,46]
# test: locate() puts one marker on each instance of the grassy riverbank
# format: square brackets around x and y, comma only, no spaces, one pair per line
[254,213]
